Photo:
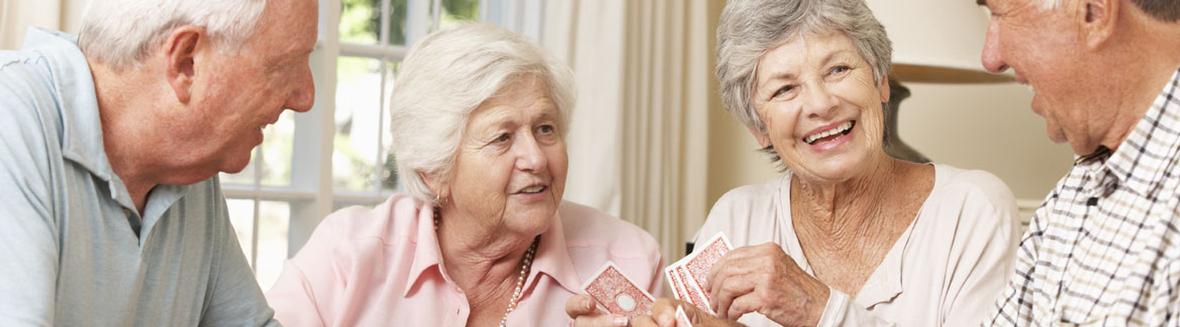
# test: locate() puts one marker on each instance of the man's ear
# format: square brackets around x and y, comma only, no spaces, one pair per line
[180,59]
[1098,20]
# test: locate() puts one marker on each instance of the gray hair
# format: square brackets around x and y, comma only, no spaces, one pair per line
[445,77]
[750,28]
[1163,10]
[121,33]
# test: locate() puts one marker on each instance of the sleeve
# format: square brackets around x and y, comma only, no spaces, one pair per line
[979,262]
[1013,306]
[235,299]
[841,311]
[304,289]
[29,231]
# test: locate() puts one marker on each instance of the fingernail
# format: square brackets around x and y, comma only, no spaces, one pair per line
[620,321]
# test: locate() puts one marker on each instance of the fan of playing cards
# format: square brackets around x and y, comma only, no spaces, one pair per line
[619,295]
[687,276]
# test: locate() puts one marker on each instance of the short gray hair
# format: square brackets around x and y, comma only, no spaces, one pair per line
[750,28]
[1163,10]
[121,33]
[445,77]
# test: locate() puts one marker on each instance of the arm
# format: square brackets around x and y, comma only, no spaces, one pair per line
[28,229]
[305,288]
[980,257]
[234,299]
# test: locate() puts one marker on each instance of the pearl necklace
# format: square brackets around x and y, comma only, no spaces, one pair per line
[526,264]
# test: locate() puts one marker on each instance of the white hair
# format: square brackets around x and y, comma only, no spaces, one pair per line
[121,33]
[445,77]
[1163,10]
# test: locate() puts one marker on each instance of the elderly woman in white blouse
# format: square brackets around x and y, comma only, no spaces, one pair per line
[847,236]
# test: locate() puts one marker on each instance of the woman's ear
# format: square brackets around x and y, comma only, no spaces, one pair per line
[761,137]
[884,88]
[180,50]
[436,186]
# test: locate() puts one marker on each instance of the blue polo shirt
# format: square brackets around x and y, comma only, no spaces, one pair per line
[73,249]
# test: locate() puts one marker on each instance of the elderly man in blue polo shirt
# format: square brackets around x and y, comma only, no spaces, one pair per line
[110,209]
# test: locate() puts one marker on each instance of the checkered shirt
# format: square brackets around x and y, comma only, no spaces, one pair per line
[1104,247]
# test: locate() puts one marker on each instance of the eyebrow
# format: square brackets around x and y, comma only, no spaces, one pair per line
[981,2]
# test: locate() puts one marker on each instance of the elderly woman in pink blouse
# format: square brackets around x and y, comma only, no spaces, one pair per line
[481,236]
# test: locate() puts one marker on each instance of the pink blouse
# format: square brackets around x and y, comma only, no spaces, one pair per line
[382,267]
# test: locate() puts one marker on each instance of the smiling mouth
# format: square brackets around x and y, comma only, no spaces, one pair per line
[843,129]
[533,189]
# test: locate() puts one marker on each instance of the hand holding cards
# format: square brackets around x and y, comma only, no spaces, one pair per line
[687,276]
[618,294]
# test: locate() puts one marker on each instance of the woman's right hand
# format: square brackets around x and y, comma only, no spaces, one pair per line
[584,313]
[663,314]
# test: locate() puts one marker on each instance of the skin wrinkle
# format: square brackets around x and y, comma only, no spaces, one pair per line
[201,124]
[844,204]
[511,141]
[1088,105]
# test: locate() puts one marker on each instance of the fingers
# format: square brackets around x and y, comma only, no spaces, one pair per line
[644,321]
[663,312]
[580,305]
[729,290]
[743,305]
[602,320]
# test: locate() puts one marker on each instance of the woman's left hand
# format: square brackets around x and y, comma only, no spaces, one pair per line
[764,279]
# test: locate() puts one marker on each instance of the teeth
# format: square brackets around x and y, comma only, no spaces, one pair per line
[533,189]
[839,129]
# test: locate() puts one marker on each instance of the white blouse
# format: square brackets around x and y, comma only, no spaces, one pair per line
[946,269]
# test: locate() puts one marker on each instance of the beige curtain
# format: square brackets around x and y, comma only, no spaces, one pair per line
[638,144]
[16,16]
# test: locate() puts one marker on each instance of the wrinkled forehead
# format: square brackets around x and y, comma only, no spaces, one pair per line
[287,26]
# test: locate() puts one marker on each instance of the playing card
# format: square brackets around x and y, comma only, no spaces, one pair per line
[617,294]
[682,318]
[693,292]
[699,262]
[673,282]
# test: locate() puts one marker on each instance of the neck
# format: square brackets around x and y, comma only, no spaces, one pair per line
[483,262]
[1144,56]
[846,206]
[124,134]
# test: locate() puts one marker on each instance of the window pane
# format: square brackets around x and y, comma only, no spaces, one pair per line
[389,180]
[360,21]
[358,113]
[276,151]
[241,216]
[397,21]
[273,221]
[455,11]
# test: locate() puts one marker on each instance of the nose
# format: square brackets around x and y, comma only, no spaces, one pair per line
[818,101]
[991,57]
[302,97]
[529,155]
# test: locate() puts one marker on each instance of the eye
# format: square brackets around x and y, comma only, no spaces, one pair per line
[840,69]
[546,129]
[503,137]
[782,90]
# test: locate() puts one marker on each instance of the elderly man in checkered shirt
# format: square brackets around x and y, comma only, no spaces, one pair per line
[1104,248]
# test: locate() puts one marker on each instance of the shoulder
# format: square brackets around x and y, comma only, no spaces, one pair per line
[746,199]
[589,228]
[396,218]
[971,201]
[30,132]
[971,185]
[744,210]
